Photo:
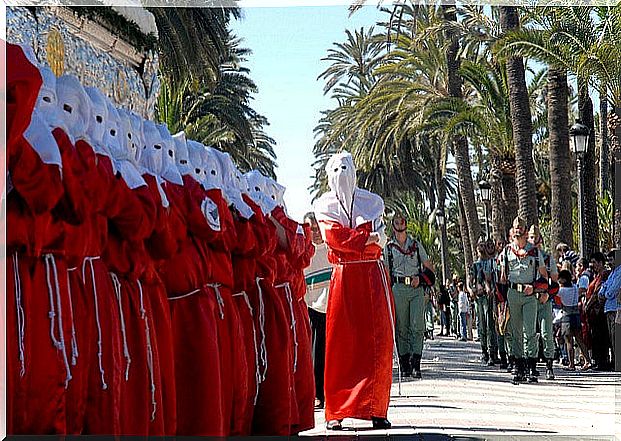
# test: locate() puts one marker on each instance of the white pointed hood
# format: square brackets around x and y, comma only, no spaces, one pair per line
[120,156]
[75,106]
[345,203]
[151,159]
[213,172]
[230,189]
[170,172]
[96,127]
[182,156]
[195,156]
[257,191]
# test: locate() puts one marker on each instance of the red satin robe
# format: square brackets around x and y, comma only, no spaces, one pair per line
[194,314]
[359,330]
[273,414]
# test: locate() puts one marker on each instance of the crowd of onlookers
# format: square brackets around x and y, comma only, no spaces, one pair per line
[586,310]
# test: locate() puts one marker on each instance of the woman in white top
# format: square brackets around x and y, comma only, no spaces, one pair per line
[570,321]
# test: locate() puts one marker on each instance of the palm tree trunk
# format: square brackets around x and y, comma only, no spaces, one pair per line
[441,189]
[560,165]
[460,143]
[465,237]
[614,128]
[603,147]
[521,120]
[498,219]
[589,197]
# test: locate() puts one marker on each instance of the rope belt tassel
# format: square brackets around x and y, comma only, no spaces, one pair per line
[262,328]
[21,317]
[143,316]
[117,290]
[59,343]
[89,261]
[289,296]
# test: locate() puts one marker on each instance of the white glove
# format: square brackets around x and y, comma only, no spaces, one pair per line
[210,211]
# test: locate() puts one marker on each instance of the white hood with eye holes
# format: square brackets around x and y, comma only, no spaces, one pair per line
[151,158]
[345,203]
[170,172]
[120,157]
[75,106]
[97,121]
[195,156]
[47,101]
[257,191]
[213,170]
[230,190]
[182,156]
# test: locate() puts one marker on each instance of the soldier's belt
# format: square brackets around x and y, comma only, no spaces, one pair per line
[404,280]
[519,287]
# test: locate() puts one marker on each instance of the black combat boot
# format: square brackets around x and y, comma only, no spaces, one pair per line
[416,366]
[511,366]
[503,361]
[519,375]
[532,370]
[493,357]
[533,366]
[406,366]
[484,356]
[549,370]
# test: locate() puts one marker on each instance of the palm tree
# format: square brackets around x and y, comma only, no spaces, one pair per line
[522,124]
[221,116]
[460,143]
[193,41]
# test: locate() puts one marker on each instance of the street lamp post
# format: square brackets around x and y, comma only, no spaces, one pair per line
[579,138]
[486,190]
[440,220]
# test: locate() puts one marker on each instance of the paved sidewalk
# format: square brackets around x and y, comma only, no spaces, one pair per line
[460,397]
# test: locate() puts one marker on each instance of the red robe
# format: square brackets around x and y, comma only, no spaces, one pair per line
[293,261]
[128,260]
[44,329]
[194,315]
[244,271]
[37,188]
[161,245]
[273,414]
[233,360]
[358,371]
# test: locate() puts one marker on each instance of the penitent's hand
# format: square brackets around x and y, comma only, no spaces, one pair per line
[373,238]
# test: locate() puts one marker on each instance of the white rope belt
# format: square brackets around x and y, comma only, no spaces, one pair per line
[216,289]
[289,297]
[59,343]
[74,341]
[89,261]
[183,296]
[21,317]
[147,331]
[262,328]
[117,290]
[359,261]
[257,373]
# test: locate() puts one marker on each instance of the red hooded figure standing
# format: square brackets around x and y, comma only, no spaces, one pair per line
[34,188]
[358,371]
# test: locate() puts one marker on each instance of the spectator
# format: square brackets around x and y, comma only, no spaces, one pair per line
[318,284]
[565,253]
[570,319]
[445,310]
[609,292]
[594,310]
[464,306]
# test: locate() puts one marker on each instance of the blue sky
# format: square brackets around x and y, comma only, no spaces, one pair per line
[288,44]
